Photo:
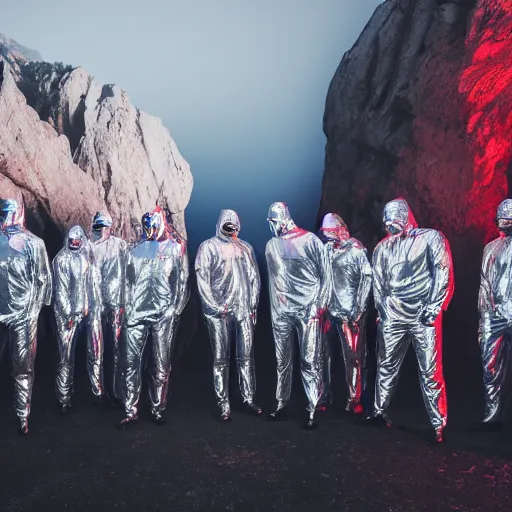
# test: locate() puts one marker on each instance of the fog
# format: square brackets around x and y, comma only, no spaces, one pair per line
[240,85]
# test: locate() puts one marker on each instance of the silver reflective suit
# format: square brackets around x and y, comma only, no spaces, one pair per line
[157,293]
[413,284]
[299,280]
[109,255]
[229,286]
[495,307]
[75,295]
[351,285]
[25,287]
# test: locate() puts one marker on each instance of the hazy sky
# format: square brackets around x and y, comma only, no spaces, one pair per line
[241,86]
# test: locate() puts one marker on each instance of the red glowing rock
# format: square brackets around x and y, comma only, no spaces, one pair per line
[421,107]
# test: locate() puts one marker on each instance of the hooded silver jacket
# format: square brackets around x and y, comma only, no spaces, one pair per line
[157,280]
[75,279]
[25,275]
[413,274]
[227,274]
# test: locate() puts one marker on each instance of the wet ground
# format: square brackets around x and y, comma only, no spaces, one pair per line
[81,462]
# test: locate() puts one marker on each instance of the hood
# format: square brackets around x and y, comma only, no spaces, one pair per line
[504,217]
[397,217]
[334,228]
[505,210]
[101,226]
[12,215]
[279,219]
[76,239]
[231,218]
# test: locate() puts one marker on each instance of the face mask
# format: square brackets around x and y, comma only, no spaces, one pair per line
[505,226]
[74,244]
[274,227]
[393,229]
[153,226]
[99,231]
[229,229]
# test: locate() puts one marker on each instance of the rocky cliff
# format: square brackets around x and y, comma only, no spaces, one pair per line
[115,154]
[36,166]
[70,146]
[421,106]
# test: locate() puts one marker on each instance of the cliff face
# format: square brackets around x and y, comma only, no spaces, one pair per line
[70,146]
[421,106]
[124,159]
[36,166]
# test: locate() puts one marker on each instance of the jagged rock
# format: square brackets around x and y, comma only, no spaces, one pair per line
[16,55]
[421,107]
[129,154]
[127,160]
[36,165]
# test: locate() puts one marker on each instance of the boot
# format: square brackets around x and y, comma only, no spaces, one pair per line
[23,427]
[252,408]
[126,422]
[311,424]
[279,414]
[378,420]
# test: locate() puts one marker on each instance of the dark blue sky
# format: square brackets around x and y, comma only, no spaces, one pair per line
[241,86]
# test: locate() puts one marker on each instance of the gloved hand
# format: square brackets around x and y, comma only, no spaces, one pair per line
[223,311]
[428,316]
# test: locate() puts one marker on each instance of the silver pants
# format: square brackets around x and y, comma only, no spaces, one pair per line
[494,338]
[162,333]
[393,341]
[113,320]
[353,349]
[310,347]
[66,336]
[22,338]
[220,330]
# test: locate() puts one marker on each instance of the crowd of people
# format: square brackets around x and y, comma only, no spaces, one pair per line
[124,293]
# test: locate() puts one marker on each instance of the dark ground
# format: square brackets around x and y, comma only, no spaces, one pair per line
[82,462]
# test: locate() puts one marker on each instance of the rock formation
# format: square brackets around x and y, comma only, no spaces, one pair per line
[79,146]
[16,55]
[36,166]
[132,160]
[421,106]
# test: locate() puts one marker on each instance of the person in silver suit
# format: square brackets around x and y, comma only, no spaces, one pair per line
[25,287]
[351,285]
[109,254]
[299,280]
[229,286]
[75,295]
[413,285]
[495,307]
[157,293]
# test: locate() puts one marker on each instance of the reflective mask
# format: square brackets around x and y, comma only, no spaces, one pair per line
[274,226]
[76,238]
[335,234]
[396,216]
[153,225]
[394,228]
[505,226]
[229,229]
[75,244]
[101,226]
[99,231]
[9,214]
